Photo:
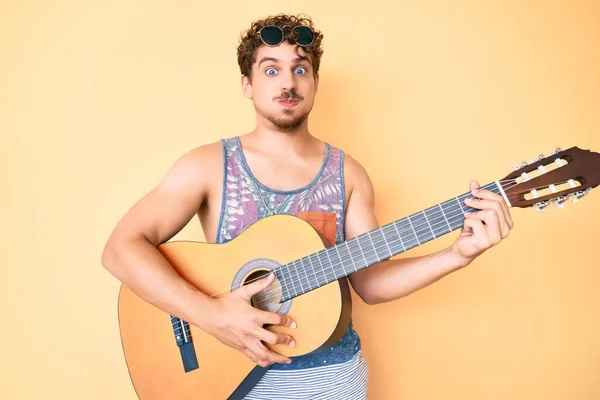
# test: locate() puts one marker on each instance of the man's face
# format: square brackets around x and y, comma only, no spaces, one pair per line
[283,86]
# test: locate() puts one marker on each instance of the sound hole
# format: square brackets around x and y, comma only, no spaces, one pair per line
[267,299]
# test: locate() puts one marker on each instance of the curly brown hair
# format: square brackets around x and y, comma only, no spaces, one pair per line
[250,41]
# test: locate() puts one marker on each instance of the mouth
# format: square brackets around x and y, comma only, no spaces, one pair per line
[288,102]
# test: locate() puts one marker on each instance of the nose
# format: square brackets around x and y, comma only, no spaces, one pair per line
[288,81]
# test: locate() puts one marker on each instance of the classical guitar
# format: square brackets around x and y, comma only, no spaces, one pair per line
[168,358]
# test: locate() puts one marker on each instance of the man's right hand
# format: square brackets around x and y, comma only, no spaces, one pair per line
[236,323]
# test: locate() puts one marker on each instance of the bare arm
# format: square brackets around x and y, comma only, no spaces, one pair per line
[131,253]
[132,256]
[395,278]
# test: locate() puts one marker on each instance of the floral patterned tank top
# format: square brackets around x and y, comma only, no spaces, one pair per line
[246,200]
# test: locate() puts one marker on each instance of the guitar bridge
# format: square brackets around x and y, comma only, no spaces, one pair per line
[183,338]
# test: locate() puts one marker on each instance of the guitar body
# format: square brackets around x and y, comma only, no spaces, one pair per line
[154,360]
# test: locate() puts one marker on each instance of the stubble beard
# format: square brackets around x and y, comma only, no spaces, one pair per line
[286,122]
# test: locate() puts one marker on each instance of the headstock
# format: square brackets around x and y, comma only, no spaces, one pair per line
[554,178]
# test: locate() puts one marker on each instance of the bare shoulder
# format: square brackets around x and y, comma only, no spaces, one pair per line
[356,177]
[193,169]
[175,199]
[205,155]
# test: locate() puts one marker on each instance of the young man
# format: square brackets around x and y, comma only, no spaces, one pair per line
[279,167]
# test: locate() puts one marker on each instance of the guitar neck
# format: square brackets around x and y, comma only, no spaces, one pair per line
[327,265]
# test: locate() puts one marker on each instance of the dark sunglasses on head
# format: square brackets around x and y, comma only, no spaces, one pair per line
[272,35]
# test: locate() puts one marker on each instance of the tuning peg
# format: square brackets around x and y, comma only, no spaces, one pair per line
[534,160]
[556,151]
[521,166]
[540,206]
[560,200]
[580,194]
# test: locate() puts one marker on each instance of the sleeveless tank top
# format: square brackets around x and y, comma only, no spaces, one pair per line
[246,200]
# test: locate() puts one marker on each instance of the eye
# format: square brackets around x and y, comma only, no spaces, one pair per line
[300,70]
[271,71]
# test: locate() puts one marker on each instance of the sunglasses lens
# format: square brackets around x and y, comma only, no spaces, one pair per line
[303,35]
[271,35]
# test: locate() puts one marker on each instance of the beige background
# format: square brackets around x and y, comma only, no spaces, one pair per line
[98,98]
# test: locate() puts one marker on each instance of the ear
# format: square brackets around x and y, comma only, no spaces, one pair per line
[246,86]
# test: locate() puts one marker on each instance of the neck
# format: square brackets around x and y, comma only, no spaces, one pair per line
[299,141]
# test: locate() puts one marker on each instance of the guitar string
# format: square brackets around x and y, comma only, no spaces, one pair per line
[320,274]
[450,216]
[274,292]
[419,228]
[255,279]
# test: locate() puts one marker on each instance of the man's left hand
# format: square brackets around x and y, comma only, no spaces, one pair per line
[482,229]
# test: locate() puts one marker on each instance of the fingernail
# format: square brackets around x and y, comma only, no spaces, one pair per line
[288,361]
[292,344]
[293,325]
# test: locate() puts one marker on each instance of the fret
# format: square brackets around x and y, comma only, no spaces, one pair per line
[378,255]
[313,269]
[282,281]
[406,229]
[324,259]
[399,236]
[453,213]
[361,250]
[413,229]
[386,243]
[419,224]
[436,221]
[300,279]
[460,205]
[427,220]
[318,277]
[379,241]
[380,251]
[391,237]
[351,258]
[339,256]
[446,219]
[362,243]
[291,280]
[323,268]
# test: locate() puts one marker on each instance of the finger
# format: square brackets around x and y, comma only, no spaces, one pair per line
[489,195]
[479,231]
[274,338]
[473,185]
[250,354]
[491,205]
[492,224]
[266,356]
[249,290]
[466,231]
[273,318]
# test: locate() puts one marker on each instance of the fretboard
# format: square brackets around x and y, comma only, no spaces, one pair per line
[362,251]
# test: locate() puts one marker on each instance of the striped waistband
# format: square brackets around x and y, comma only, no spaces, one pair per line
[346,381]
